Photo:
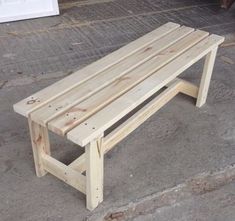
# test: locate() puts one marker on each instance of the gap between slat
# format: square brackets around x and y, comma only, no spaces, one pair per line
[44,96]
[89,88]
[73,117]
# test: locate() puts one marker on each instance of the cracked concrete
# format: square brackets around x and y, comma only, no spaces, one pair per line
[217,205]
[176,144]
[146,207]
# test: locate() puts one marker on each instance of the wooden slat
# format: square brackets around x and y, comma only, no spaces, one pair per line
[65,173]
[42,97]
[102,120]
[142,115]
[112,74]
[74,116]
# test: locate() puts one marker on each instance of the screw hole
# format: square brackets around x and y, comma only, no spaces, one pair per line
[93,128]
[74,118]
[49,106]
[67,114]
[85,123]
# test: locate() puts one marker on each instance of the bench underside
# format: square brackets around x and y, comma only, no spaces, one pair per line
[73,174]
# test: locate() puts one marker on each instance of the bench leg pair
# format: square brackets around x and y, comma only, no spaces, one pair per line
[91,161]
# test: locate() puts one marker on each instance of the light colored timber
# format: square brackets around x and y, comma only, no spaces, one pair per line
[174,87]
[83,110]
[206,77]
[94,173]
[42,97]
[85,104]
[40,145]
[65,173]
[114,74]
[141,116]
[188,88]
[79,164]
[113,112]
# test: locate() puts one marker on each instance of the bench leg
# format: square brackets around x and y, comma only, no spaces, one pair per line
[40,145]
[94,173]
[206,77]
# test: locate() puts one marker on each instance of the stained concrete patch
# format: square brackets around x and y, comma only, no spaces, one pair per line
[215,206]
[200,185]
[227,60]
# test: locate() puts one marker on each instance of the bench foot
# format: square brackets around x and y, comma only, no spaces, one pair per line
[40,145]
[94,173]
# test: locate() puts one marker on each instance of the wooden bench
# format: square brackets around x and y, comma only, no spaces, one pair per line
[84,105]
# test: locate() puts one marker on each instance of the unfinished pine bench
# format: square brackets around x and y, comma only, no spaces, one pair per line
[84,105]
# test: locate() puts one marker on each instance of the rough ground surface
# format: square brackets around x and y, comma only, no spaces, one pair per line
[216,206]
[175,145]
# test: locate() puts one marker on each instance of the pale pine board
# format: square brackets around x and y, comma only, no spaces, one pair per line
[102,120]
[64,173]
[142,115]
[173,88]
[92,86]
[33,102]
[83,110]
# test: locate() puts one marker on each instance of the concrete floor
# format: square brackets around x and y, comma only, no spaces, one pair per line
[177,144]
[217,205]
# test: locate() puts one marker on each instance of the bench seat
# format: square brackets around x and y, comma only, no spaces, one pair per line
[84,105]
